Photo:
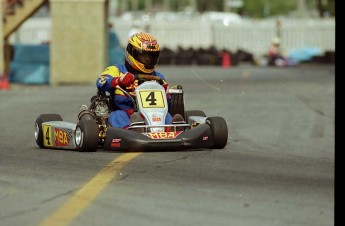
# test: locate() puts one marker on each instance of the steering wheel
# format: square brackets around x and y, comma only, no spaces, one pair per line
[149,78]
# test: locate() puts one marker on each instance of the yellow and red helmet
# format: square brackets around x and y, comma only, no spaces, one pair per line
[142,52]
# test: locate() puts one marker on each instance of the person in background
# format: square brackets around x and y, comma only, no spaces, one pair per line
[275,56]
[142,54]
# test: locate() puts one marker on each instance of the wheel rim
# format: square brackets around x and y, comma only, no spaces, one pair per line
[78,136]
[37,130]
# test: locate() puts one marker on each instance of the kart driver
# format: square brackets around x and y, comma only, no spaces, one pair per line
[142,54]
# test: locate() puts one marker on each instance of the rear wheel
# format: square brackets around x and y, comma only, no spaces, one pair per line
[219,131]
[86,135]
[177,102]
[38,126]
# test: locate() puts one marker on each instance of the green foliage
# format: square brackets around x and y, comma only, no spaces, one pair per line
[331,7]
[251,8]
[265,8]
[210,5]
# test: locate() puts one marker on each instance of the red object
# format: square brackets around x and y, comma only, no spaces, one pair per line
[115,82]
[4,83]
[129,111]
[127,79]
[226,60]
[124,80]
[165,85]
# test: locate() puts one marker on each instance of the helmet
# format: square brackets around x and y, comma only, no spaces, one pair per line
[142,52]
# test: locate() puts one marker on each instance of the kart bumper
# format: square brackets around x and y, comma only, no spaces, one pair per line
[126,140]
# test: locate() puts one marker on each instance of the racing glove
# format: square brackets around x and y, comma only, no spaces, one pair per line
[124,81]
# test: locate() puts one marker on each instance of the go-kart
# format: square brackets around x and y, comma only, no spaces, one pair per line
[92,130]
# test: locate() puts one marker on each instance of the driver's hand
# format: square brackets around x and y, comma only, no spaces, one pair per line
[127,79]
[124,81]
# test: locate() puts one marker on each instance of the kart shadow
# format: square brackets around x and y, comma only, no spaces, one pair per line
[155,151]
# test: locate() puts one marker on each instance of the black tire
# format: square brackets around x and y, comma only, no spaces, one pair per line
[38,126]
[177,103]
[189,113]
[86,135]
[219,130]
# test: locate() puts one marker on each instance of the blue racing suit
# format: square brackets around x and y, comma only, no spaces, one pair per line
[124,108]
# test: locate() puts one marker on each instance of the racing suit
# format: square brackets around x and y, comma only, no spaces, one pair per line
[124,108]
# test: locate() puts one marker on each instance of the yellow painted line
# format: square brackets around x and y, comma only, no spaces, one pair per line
[85,195]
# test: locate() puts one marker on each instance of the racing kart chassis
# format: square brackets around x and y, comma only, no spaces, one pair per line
[92,131]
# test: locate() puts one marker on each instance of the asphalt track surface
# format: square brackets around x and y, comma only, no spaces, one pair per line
[277,168]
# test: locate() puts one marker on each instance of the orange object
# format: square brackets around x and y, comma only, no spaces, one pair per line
[4,83]
[226,60]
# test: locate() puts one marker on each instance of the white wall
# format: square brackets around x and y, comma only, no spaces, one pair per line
[252,35]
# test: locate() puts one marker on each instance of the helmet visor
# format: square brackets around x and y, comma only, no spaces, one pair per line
[148,58]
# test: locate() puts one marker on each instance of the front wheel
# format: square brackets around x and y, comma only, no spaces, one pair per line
[86,135]
[219,130]
[38,126]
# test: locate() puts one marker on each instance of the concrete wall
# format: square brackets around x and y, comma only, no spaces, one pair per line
[78,51]
[2,54]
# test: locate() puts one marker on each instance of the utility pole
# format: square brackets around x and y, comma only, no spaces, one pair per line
[278,29]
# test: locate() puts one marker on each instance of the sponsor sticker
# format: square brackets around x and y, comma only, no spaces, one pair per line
[62,138]
[156,119]
[163,135]
[115,143]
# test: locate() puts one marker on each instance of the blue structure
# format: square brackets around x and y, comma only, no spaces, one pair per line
[30,63]
[116,54]
[304,54]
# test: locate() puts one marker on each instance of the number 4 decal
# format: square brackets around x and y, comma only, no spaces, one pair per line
[47,135]
[152,99]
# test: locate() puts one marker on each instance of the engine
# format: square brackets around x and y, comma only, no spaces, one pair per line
[101,109]
[98,110]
